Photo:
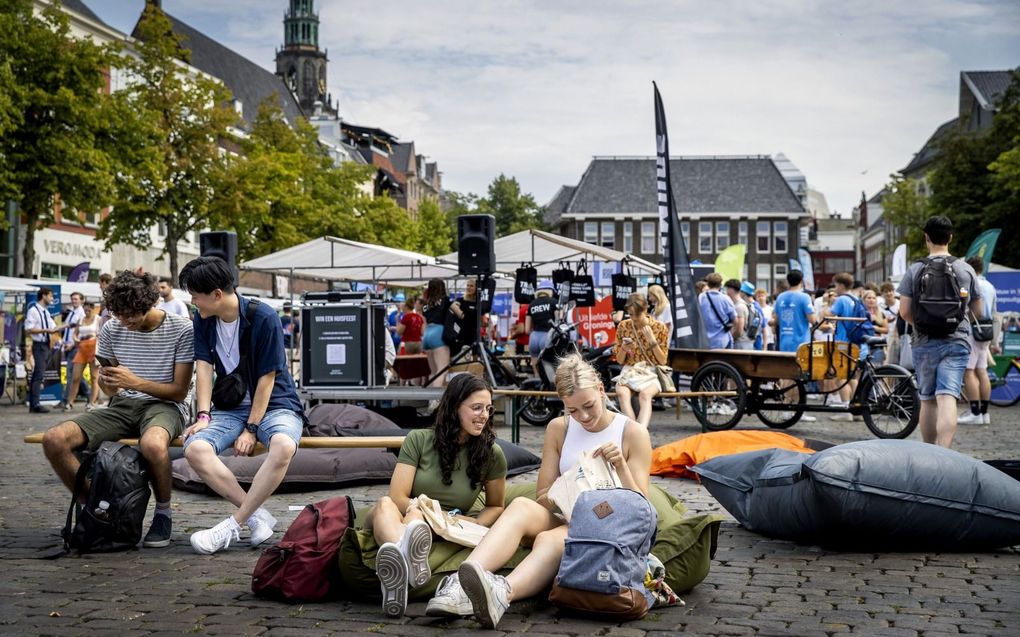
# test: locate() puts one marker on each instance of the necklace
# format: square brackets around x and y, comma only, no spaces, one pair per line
[229,346]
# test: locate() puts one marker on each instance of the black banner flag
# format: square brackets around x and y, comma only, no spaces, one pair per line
[688,330]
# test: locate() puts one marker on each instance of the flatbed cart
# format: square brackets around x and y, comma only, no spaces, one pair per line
[772,385]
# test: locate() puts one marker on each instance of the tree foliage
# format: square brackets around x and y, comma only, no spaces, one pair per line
[976,179]
[513,209]
[437,234]
[904,205]
[177,120]
[55,143]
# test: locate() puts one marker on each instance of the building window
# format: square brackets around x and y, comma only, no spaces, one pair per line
[705,237]
[763,276]
[742,233]
[685,231]
[762,237]
[780,237]
[161,229]
[722,235]
[628,237]
[835,266]
[608,235]
[591,232]
[781,270]
[648,237]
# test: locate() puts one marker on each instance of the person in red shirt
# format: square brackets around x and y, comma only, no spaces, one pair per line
[411,325]
[519,332]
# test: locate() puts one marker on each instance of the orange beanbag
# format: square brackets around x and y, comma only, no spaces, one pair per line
[672,460]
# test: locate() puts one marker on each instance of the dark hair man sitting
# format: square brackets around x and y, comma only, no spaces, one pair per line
[150,355]
[229,337]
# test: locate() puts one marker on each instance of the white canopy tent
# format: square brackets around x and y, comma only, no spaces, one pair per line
[14,285]
[345,260]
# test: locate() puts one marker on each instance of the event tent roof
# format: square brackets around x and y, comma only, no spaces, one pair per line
[545,250]
[346,260]
[11,284]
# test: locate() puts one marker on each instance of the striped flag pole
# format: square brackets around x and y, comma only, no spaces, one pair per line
[688,329]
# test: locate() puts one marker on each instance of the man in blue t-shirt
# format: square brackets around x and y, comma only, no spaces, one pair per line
[718,313]
[793,314]
[844,306]
[235,334]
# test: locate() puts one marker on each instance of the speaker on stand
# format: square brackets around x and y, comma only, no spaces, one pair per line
[220,244]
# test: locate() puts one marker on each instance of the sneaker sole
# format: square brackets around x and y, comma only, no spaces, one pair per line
[439,609]
[157,544]
[419,544]
[472,580]
[391,568]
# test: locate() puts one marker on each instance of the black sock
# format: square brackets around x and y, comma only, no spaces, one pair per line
[975,407]
[984,407]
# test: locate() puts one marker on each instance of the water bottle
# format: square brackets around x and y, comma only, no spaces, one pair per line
[102,512]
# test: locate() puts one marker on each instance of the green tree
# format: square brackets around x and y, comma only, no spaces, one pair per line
[514,210]
[436,231]
[175,165]
[55,146]
[905,206]
[976,179]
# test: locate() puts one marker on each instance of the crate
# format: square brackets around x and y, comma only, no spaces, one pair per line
[822,360]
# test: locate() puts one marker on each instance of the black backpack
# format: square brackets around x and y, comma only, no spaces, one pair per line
[938,306]
[112,517]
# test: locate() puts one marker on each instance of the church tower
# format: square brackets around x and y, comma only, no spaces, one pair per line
[300,62]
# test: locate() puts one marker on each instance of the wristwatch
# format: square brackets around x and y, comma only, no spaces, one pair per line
[251,427]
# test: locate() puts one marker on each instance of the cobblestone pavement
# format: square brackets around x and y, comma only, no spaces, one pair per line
[756,587]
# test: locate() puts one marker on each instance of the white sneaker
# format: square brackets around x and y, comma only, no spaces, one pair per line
[970,418]
[415,544]
[845,417]
[261,524]
[986,418]
[217,538]
[807,418]
[489,594]
[391,567]
[450,600]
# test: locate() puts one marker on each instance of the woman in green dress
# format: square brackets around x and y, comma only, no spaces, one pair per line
[452,463]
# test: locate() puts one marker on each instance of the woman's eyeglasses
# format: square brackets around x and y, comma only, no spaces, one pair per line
[479,409]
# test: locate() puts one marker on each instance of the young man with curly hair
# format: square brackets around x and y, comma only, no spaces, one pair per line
[235,335]
[147,357]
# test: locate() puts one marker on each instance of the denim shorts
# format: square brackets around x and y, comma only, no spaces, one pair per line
[939,366]
[536,343]
[433,337]
[227,425]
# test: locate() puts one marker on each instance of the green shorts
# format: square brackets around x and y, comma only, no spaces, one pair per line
[129,418]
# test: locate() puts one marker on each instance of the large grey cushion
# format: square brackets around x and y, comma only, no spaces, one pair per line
[873,495]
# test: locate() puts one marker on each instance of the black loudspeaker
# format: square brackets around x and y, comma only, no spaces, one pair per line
[476,253]
[220,244]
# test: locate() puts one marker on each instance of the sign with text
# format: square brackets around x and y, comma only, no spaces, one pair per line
[595,324]
[1007,290]
[342,345]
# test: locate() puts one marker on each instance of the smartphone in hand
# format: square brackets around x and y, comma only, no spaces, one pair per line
[107,362]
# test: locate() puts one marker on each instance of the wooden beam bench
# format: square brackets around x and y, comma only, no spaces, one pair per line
[307,442]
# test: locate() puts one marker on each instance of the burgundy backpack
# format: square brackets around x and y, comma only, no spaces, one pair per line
[303,566]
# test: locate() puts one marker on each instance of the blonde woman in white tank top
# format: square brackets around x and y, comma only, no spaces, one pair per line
[588,426]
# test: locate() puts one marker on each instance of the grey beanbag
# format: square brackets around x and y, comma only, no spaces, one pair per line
[875,495]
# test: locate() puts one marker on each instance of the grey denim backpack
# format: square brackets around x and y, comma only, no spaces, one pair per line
[604,560]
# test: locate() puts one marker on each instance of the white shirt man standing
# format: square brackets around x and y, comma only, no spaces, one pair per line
[39,325]
[167,302]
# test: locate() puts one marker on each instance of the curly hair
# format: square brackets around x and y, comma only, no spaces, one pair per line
[447,430]
[131,294]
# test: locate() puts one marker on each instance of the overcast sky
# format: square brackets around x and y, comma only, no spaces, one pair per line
[849,90]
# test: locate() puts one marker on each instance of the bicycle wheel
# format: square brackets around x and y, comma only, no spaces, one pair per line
[1005,390]
[889,402]
[779,407]
[719,413]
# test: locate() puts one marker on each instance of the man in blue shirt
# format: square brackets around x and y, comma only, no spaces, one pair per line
[793,314]
[237,335]
[718,313]
[844,307]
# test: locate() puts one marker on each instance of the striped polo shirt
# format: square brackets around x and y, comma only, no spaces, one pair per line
[150,355]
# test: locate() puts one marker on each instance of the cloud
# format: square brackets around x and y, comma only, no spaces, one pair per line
[534,89]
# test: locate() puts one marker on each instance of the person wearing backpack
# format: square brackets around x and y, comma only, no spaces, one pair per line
[847,305]
[452,463]
[937,295]
[740,338]
[718,313]
[253,400]
[588,425]
[147,356]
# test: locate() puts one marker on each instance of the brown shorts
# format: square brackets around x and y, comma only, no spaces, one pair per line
[129,418]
